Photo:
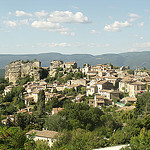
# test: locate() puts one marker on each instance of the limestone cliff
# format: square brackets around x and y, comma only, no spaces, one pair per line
[19,69]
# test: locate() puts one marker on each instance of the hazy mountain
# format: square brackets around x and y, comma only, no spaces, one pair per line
[132,59]
[2,73]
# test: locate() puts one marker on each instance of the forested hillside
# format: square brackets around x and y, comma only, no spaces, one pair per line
[132,59]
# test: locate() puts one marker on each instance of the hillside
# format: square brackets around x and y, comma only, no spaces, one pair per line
[133,59]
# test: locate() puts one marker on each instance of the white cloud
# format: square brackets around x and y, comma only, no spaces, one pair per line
[133,17]
[22,13]
[47,25]
[146,10]
[132,50]
[116,26]
[72,34]
[63,44]
[139,36]
[10,13]
[41,13]
[141,24]
[10,23]
[110,17]
[142,45]
[68,17]
[94,32]
[25,21]
[67,33]
[94,45]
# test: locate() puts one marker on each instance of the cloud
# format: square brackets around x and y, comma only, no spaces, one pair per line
[67,33]
[41,13]
[133,17]
[46,25]
[22,13]
[10,23]
[68,17]
[54,44]
[116,26]
[110,17]
[141,24]
[139,36]
[142,45]
[94,45]
[24,21]
[94,32]
[48,21]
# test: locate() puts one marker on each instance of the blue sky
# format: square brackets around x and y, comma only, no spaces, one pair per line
[74,26]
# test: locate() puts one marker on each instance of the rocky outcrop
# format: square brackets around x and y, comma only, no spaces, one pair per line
[19,69]
[53,67]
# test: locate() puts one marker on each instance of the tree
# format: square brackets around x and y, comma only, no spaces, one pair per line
[41,145]
[142,141]
[80,115]
[83,90]
[79,139]
[143,104]
[43,73]
[41,102]
[22,120]
[55,123]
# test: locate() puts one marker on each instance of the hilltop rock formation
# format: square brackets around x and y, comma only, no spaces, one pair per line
[19,69]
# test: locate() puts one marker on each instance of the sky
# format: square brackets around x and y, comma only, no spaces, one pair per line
[74,26]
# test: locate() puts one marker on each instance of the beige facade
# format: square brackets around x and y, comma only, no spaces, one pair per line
[49,136]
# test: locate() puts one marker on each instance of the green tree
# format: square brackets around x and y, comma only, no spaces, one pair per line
[55,123]
[41,102]
[80,115]
[41,145]
[142,141]
[143,104]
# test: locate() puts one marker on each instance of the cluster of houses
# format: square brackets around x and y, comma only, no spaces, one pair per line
[101,82]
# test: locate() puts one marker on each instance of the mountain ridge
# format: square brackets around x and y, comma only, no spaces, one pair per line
[132,59]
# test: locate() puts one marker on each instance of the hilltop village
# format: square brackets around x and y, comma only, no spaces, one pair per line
[31,91]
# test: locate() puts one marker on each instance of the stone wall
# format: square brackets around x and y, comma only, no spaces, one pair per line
[20,69]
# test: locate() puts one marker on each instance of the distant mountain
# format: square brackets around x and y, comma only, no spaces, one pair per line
[132,59]
[2,73]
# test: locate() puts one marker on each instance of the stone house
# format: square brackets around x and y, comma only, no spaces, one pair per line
[60,87]
[99,101]
[56,110]
[102,73]
[104,85]
[8,89]
[69,65]
[78,82]
[78,97]
[136,88]
[85,68]
[34,94]
[75,86]
[124,84]
[131,100]
[28,99]
[113,80]
[10,117]
[92,73]
[109,94]
[49,136]
[90,90]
